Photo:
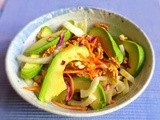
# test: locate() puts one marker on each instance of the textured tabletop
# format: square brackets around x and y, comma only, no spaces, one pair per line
[15,14]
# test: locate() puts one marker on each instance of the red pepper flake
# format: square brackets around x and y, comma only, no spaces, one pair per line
[63,62]
[81,44]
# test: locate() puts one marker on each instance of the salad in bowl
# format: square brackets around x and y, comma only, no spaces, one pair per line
[79,68]
[86,60]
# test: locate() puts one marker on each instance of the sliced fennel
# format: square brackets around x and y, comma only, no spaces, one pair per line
[91,89]
[109,94]
[126,90]
[75,30]
[114,90]
[29,82]
[103,78]
[128,76]
[119,77]
[108,80]
[120,87]
[91,98]
[26,59]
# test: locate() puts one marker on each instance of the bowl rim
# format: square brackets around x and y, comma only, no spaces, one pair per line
[97,113]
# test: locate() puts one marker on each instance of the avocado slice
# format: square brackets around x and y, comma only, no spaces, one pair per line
[53,83]
[44,32]
[43,44]
[30,70]
[84,83]
[108,43]
[136,56]
[61,97]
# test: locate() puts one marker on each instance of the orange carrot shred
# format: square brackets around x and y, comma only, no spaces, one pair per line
[70,107]
[94,44]
[73,71]
[89,48]
[32,88]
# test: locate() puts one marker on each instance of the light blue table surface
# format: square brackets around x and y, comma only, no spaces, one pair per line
[17,13]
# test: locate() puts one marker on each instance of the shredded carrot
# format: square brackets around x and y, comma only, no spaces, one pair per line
[72,85]
[73,71]
[91,75]
[89,48]
[105,26]
[70,107]
[97,61]
[32,88]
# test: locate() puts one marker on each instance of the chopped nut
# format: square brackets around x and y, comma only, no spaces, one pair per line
[81,66]
[78,63]
[35,84]
[122,37]
[49,51]
[105,26]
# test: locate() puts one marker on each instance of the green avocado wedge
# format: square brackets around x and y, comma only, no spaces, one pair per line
[43,44]
[84,83]
[53,83]
[30,70]
[136,56]
[108,43]
[44,32]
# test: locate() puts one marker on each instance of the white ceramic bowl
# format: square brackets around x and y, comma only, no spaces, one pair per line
[118,25]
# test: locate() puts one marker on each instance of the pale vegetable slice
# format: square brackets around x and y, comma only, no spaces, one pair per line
[91,89]
[120,87]
[29,82]
[43,60]
[91,98]
[107,78]
[75,30]
[127,75]
[114,90]
[119,77]
[122,49]
[103,78]
[126,90]
[109,94]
